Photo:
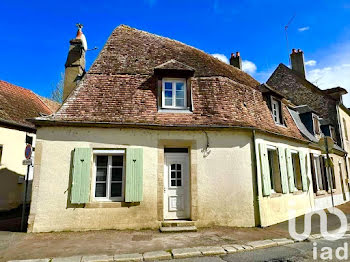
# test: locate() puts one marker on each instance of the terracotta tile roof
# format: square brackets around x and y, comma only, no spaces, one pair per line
[52,105]
[18,104]
[121,88]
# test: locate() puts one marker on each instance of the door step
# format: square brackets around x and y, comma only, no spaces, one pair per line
[178,226]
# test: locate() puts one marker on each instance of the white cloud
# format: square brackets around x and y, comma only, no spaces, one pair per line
[248,67]
[302,29]
[310,63]
[221,57]
[333,71]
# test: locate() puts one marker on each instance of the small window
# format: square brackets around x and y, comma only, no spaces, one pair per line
[345,129]
[174,93]
[297,171]
[316,124]
[274,167]
[109,177]
[176,175]
[276,111]
[1,148]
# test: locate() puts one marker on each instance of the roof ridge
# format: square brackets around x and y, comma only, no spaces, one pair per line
[123,26]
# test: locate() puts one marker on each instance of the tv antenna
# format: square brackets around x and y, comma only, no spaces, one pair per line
[286,30]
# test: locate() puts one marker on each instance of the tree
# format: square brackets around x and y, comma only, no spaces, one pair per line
[57,91]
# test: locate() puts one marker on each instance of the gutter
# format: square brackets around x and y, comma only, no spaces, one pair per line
[14,125]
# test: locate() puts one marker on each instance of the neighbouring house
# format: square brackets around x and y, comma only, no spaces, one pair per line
[16,106]
[320,112]
[157,131]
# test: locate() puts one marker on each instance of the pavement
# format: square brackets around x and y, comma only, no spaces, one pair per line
[111,243]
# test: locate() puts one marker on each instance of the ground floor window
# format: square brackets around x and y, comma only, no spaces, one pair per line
[274,168]
[297,171]
[323,173]
[109,176]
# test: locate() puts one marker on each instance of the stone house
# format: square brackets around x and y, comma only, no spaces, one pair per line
[158,132]
[16,106]
[320,114]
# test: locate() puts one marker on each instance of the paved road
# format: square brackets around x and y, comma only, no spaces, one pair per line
[296,252]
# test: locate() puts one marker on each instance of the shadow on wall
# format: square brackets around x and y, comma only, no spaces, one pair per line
[12,187]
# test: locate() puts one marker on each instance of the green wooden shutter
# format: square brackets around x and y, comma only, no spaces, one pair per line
[265,171]
[303,169]
[290,170]
[80,191]
[134,175]
[283,170]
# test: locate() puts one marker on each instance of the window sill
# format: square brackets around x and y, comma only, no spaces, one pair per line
[321,193]
[280,125]
[170,110]
[110,204]
[333,191]
[273,195]
[299,192]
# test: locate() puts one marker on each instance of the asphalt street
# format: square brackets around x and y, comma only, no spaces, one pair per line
[302,251]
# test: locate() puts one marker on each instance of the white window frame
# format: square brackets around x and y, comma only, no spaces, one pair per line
[318,175]
[276,115]
[174,81]
[108,153]
[295,152]
[272,176]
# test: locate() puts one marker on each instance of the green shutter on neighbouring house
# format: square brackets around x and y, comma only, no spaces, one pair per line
[283,170]
[303,170]
[134,175]
[265,170]
[290,170]
[80,191]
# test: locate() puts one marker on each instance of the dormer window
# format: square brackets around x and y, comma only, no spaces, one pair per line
[332,131]
[174,93]
[276,111]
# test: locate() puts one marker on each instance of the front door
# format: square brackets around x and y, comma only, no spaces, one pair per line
[176,186]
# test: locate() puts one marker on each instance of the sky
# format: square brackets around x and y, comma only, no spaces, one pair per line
[34,35]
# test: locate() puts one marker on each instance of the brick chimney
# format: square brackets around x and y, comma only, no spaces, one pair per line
[75,64]
[236,60]
[297,59]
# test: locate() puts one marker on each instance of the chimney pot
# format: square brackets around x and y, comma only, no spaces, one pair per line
[236,61]
[297,59]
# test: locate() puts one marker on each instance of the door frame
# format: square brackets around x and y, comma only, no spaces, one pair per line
[186,185]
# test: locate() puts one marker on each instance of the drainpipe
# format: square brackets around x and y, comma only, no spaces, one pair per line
[255,161]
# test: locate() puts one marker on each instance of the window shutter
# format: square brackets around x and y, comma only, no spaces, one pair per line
[265,171]
[80,191]
[283,170]
[290,170]
[313,172]
[134,175]
[303,170]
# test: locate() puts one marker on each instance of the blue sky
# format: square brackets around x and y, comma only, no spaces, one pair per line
[34,35]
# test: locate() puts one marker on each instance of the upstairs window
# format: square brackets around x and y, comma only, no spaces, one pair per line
[276,111]
[174,93]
